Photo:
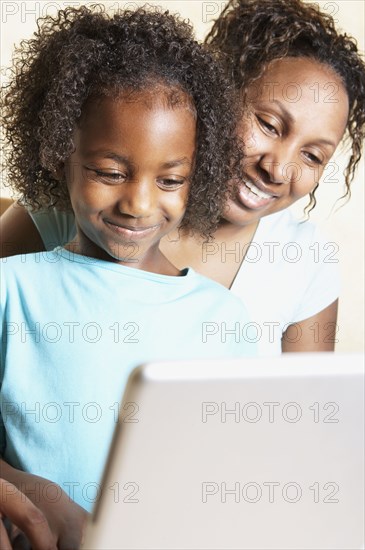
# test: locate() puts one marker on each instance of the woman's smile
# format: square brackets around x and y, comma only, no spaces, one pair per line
[251,196]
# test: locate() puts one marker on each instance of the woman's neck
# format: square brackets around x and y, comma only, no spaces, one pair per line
[219,259]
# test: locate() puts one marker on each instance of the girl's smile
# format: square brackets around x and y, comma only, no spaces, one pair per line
[129,176]
[132,231]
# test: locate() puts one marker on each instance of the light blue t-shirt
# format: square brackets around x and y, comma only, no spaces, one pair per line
[73,329]
[288,273]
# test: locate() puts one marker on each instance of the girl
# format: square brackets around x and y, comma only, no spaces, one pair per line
[131,122]
[275,49]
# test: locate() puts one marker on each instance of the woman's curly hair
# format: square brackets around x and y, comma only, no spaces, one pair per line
[252,33]
[84,52]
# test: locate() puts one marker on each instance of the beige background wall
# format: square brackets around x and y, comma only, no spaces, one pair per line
[344,227]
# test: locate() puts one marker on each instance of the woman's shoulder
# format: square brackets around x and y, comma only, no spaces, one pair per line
[286,226]
[56,227]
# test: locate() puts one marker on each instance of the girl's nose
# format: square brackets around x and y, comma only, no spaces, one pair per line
[138,198]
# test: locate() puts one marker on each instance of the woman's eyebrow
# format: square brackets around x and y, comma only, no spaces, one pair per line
[326,142]
[284,111]
[289,117]
[269,102]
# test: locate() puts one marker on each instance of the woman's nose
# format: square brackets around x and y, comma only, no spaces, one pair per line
[279,166]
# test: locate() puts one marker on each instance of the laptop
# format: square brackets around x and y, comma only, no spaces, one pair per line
[258,453]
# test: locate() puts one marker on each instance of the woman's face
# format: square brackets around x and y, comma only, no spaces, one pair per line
[297,117]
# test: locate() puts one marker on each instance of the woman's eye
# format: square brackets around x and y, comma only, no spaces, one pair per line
[313,158]
[267,126]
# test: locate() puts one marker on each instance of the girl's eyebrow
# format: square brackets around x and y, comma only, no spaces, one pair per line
[102,153]
[121,159]
[177,162]
[114,156]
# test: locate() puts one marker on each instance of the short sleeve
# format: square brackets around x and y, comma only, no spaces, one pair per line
[55,227]
[322,279]
[289,274]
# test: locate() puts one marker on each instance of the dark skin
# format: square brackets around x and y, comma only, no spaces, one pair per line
[46,525]
[17,231]
[15,507]
[128,180]
[241,219]
[283,138]
[277,135]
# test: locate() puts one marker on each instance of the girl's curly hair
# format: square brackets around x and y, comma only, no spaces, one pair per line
[252,33]
[84,52]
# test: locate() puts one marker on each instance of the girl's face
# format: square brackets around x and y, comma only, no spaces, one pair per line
[298,115]
[128,177]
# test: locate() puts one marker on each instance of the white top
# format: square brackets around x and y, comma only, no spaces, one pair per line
[289,274]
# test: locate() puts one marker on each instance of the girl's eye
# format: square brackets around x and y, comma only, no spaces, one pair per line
[313,158]
[170,183]
[267,126]
[110,177]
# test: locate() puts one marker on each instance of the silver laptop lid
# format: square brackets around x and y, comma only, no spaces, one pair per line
[237,454]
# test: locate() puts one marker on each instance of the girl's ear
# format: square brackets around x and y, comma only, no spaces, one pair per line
[59,173]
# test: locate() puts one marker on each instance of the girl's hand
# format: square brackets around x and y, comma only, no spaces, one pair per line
[22,524]
[37,521]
